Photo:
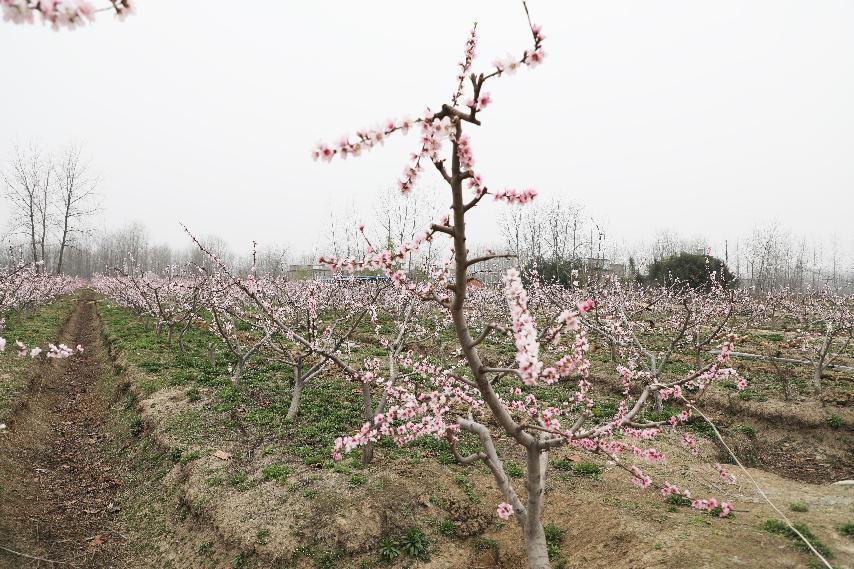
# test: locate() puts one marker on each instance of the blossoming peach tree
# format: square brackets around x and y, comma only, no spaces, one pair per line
[493,400]
[24,286]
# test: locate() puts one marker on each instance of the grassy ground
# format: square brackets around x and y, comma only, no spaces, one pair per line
[34,327]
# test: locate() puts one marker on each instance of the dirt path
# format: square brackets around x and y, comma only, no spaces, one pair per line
[59,487]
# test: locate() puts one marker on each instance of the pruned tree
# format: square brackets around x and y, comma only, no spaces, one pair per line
[452,400]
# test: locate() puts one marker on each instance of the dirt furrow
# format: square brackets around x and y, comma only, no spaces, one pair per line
[60,492]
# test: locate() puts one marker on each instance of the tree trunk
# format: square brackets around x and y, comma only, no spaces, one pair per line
[535,544]
[211,354]
[816,377]
[299,385]
[238,370]
[367,412]
[62,245]
[533,532]
[368,453]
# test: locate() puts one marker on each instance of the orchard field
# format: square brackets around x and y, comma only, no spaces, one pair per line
[149,449]
[411,398]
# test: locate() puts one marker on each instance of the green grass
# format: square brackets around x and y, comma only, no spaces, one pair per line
[554,538]
[485,544]
[781,528]
[446,528]
[278,472]
[34,327]
[834,421]
[257,405]
[513,469]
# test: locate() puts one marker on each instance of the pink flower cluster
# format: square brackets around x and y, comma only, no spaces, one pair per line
[510,64]
[524,328]
[518,197]
[724,473]
[711,504]
[59,13]
[366,139]
[639,478]
[465,64]
[54,352]
[414,415]
[504,511]
[691,443]
[680,418]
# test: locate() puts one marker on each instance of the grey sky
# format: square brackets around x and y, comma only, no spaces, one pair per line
[706,118]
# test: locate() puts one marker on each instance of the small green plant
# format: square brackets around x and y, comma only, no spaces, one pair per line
[513,470]
[328,560]
[485,544]
[467,488]
[278,472]
[237,479]
[677,500]
[415,544]
[847,529]
[358,480]
[554,539]
[388,550]
[261,536]
[268,451]
[834,421]
[205,548]
[562,464]
[589,469]
[446,528]
[190,457]
[747,431]
[193,394]
[702,427]
[136,427]
[239,560]
[798,507]
[782,528]
[310,493]
[745,395]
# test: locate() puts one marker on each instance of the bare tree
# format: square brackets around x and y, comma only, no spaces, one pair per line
[401,217]
[75,189]
[26,184]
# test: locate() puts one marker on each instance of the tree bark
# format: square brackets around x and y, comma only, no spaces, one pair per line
[299,385]
[533,531]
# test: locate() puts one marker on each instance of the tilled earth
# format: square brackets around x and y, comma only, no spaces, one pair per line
[59,492]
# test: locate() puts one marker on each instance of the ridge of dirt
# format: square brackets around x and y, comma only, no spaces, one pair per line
[60,488]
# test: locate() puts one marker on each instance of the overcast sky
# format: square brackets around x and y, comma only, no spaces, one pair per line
[706,118]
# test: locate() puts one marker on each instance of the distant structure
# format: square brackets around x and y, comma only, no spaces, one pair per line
[602,267]
[308,272]
[491,271]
